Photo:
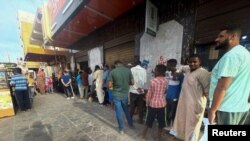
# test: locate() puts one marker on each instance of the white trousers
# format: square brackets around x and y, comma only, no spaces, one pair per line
[99,93]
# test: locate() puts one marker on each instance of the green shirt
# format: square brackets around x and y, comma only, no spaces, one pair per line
[121,78]
[236,64]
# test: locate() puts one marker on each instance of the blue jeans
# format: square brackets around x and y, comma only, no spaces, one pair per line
[68,91]
[110,96]
[119,105]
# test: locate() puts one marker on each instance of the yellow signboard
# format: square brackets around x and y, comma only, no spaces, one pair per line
[6,105]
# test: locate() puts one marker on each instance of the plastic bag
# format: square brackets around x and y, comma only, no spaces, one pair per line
[205,134]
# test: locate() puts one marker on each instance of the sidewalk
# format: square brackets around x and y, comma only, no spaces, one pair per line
[54,118]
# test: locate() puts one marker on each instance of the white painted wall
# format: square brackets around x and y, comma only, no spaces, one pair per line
[95,57]
[167,43]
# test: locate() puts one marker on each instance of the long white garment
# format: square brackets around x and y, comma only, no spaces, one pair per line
[191,105]
[98,76]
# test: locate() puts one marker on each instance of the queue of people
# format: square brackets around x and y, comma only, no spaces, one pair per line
[177,99]
[185,96]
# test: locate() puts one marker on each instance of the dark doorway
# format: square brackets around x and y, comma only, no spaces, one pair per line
[83,65]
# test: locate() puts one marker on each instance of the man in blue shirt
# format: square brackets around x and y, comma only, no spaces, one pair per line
[66,81]
[174,88]
[80,84]
[230,86]
[21,89]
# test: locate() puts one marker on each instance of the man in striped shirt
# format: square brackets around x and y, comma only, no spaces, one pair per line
[21,90]
[156,101]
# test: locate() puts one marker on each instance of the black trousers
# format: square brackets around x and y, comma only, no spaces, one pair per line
[159,114]
[106,97]
[23,100]
[136,100]
[171,111]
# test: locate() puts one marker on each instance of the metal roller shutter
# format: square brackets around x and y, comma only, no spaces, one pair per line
[123,52]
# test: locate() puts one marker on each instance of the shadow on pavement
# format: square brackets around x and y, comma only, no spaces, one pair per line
[88,110]
[107,116]
[39,132]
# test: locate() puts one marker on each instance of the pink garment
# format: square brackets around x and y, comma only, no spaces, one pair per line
[41,81]
[50,81]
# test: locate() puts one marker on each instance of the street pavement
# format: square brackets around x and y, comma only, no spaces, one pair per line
[54,118]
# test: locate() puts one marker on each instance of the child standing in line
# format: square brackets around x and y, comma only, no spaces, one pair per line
[50,85]
[156,101]
[31,89]
[175,80]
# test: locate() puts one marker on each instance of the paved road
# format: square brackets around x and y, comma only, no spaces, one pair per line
[54,118]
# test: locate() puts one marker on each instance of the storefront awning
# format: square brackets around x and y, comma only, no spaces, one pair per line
[84,18]
[36,36]
[46,25]
[35,52]
[31,64]
[42,55]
